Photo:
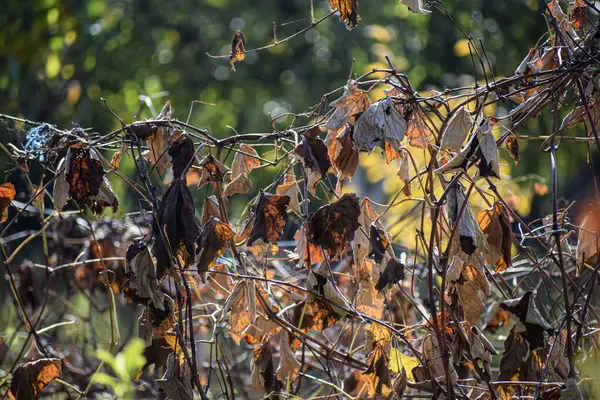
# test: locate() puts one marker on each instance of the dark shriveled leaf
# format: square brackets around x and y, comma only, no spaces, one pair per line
[314,155]
[31,378]
[532,324]
[271,215]
[393,273]
[332,226]
[182,154]
[238,49]
[348,11]
[211,243]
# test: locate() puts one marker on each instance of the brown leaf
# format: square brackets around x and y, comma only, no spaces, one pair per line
[516,351]
[158,352]
[325,288]
[379,125]
[238,49]
[393,273]
[291,189]
[457,129]
[7,195]
[314,253]
[270,218]
[263,378]
[418,132]
[175,228]
[332,226]
[354,101]
[348,11]
[182,155]
[141,285]
[314,156]
[360,244]
[240,185]
[212,170]
[31,378]
[342,154]
[60,190]
[432,353]
[155,323]
[380,242]
[404,175]
[244,161]
[87,183]
[211,243]
[288,364]
[466,227]
[588,240]
[160,140]
[468,295]
[177,379]
[495,225]
[378,374]
[481,348]
[143,130]
[512,144]
[579,14]
[532,324]
[415,6]
[210,208]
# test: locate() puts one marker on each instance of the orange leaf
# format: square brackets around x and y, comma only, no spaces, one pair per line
[7,195]
[31,378]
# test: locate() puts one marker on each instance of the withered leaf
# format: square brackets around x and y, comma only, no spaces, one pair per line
[333,225]
[348,11]
[360,244]
[288,364]
[210,208]
[324,287]
[305,249]
[419,131]
[7,195]
[495,225]
[342,154]
[244,161]
[263,376]
[240,185]
[379,125]
[457,129]
[211,243]
[512,144]
[182,155]
[404,175]
[380,242]
[141,285]
[60,190]
[160,349]
[212,170]
[271,215]
[175,228]
[393,273]
[354,101]
[588,239]
[378,374]
[415,6]
[160,140]
[156,323]
[314,156]
[432,352]
[290,188]
[87,183]
[516,351]
[29,379]
[579,14]
[238,49]
[177,380]
[532,324]
[466,227]
[481,348]
[143,130]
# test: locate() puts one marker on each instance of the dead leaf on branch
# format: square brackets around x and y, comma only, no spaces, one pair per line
[212,170]
[244,161]
[333,225]
[177,379]
[7,195]
[158,352]
[512,144]
[160,140]
[156,323]
[342,154]
[288,364]
[175,228]
[457,129]
[404,175]
[240,185]
[378,375]
[481,348]
[305,249]
[348,10]
[467,229]
[325,288]
[415,6]
[29,379]
[361,241]
[238,49]
[210,208]
[291,189]
[472,280]
[495,225]
[142,285]
[379,125]
[393,273]
[315,158]
[211,243]
[588,239]
[270,218]
[532,325]
[354,101]
[263,378]
[182,155]
[579,16]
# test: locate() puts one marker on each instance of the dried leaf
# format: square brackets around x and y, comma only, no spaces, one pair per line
[314,253]
[415,6]
[348,11]
[30,379]
[244,161]
[404,175]
[342,154]
[588,239]
[175,228]
[141,285]
[495,225]
[60,191]
[468,295]
[212,170]
[156,323]
[314,157]
[579,16]
[7,195]
[457,129]
[238,49]
[512,144]
[177,379]
[325,288]
[182,155]
[158,352]
[378,125]
[399,361]
[160,140]
[481,348]
[354,101]
[291,189]
[288,364]
[418,131]
[360,244]
[263,378]
[211,243]
[532,324]
[393,273]
[271,215]
[432,353]
[516,351]
[332,226]
[378,373]
[466,227]
[240,185]
[210,208]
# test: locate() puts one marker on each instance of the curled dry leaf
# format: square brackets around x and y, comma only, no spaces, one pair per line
[354,101]
[313,154]
[512,144]
[238,49]
[481,348]
[531,324]
[182,155]
[495,225]
[457,129]
[432,353]
[270,218]
[588,240]
[211,243]
[212,170]
[393,273]
[379,125]
[210,208]
[415,6]
[60,190]
[263,378]
[160,140]
[466,226]
[31,378]
[360,244]
[325,288]
[348,10]
[291,189]
[141,285]
[175,228]
[177,379]
[418,131]
[240,185]
[404,175]
[7,195]
[380,243]
[579,16]
[332,226]
[244,161]
[158,352]
[87,183]
[342,154]
[288,364]
[472,281]
[378,375]
[314,253]
[156,323]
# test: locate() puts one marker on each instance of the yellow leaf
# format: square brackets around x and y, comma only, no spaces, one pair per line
[398,360]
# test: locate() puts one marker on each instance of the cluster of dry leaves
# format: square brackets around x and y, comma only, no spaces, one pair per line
[347,313]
